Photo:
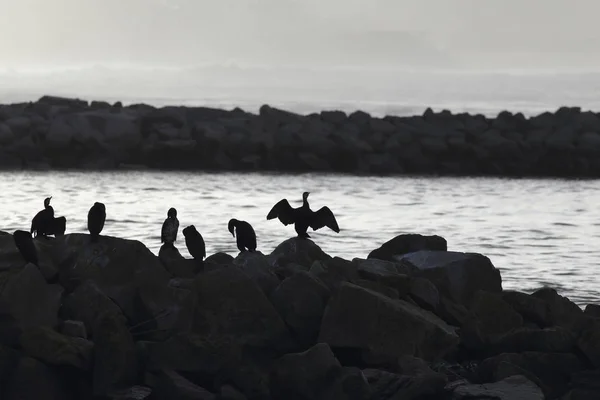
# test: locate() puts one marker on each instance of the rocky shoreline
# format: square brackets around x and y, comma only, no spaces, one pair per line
[413,320]
[60,133]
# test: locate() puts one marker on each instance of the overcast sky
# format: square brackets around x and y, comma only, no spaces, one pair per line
[459,32]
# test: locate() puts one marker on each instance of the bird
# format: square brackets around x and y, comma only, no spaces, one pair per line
[59,226]
[96,219]
[24,243]
[194,242]
[246,238]
[303,217]
[43,220]
[168,233]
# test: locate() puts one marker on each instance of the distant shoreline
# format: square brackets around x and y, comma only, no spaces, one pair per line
[56,133]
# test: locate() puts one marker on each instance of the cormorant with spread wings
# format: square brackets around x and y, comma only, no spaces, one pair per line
[303,217]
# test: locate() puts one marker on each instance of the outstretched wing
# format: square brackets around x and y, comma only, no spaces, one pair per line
[324,217]
[283,211]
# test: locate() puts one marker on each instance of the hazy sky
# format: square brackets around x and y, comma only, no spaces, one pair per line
[444,32]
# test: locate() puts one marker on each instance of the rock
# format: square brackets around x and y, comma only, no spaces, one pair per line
[334,272]
[386,385]
[247,317]
[228,392]
[298,251]
[512,388]
[531,308]
[408,243]
[115,357]
[456,275]
[135,392]
[551,370]
[257,267]
[589,343]
[350,385]
[548,340]
[87,303]
[593,310]
[25,295]
[169,384]
[300,301]
[489,319]
[74,329]
[398,328]
[63,101]
[53,348]
[6,134]
[33,380]
[379,270]
[305,375]
[218,259]
[176,264]
[424,293]
[563,312]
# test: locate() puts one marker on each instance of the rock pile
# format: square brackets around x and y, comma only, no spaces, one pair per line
[69,133]
[110,320]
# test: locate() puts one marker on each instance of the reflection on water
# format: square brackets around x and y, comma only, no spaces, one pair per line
[538,232]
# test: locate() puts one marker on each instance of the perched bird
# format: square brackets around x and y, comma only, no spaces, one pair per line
[43,220]
[59,226]
[24,243]
[246,238]
[168,233]
[303,217]
[194,242]
[96,219]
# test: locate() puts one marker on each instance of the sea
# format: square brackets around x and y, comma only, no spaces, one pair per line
[538,232]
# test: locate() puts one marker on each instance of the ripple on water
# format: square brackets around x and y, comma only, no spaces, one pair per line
[555,245]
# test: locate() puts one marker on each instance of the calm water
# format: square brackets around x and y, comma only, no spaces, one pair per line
[538,232]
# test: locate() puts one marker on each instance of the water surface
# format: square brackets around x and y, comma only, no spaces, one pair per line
[537,232]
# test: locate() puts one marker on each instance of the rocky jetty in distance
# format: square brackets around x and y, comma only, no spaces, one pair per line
[58,133]
[110,320]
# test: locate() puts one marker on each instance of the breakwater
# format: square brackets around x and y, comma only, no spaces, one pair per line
[412,320]
[55,133]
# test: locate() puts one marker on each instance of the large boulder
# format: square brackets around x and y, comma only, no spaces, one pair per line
[360,319]
[298,251]
[258,268]
[513,388]
[52,348]
[32,379]
[456,275]
[247,317]
[300,300]
[408,243]
[26,297]
[387,385]
[128,273]
[305,376]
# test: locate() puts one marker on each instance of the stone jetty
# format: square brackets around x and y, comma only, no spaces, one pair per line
[57,133]
[413,320]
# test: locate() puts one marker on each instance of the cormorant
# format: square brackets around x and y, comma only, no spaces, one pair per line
[96,218]
[194,242]
[59,226]
[24,243]
[168,233]
[43,220]
[246,238]
[303,217]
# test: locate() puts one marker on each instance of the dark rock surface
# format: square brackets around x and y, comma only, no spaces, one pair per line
[420,323]
[55,133]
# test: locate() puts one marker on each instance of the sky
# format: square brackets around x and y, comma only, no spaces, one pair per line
[435,33]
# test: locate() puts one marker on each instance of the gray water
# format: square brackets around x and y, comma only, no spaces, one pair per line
[537,232]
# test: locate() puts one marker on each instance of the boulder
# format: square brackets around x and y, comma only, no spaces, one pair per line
[531,308]
[298,251]
[176,264]
[247,317]
[115,358]
[380,270]
[305,375]
[408,243]
[589,343]
[351,384]
[6,134]
[26,297]
[563,312]
[75,329]
[258,268]
[300,301]
[386,385]
[456,275]
[513,388]
[32,379]
[397,328]
[169,384]
[333,272]
[548,340]
[53,348]
[592,310]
